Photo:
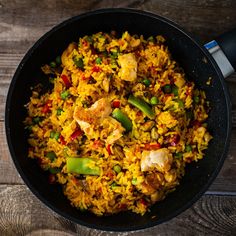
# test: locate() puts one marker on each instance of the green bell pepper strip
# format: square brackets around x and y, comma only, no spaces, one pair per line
[82,166]
[123,119]
[142,105]
[54,170]
[53,64]
[78,62]
[181,103]
[51,156]
[175,90]
[65,94]
[98,60]
[178,155]
[57,135]
[196,99]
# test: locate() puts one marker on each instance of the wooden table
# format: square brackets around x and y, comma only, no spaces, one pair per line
[21,24]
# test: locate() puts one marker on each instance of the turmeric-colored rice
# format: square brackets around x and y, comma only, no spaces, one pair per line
[131,163]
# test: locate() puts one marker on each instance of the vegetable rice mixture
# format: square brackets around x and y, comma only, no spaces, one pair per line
[119,123]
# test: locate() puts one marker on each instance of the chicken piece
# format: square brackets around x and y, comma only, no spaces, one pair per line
[152,183]
[101,108]
[87,118]
[147,189]
[98,115]
[128,65]
[116,133]
[86,127]
[155,179]
[171,176]
[160,159]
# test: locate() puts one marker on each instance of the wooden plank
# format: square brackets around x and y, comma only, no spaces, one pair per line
[21,25]
[22,214]
[8,173]
[225,182]
[197,16]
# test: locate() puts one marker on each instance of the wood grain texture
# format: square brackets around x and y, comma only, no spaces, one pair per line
[8,173]
[211,214]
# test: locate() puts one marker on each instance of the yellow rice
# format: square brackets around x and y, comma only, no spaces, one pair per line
[178,127]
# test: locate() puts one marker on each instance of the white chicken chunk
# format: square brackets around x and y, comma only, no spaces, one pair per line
[129,66]
[98,116]
[93,115]
[117,131]
[160,159]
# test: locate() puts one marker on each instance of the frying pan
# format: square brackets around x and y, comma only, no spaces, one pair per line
[199,66]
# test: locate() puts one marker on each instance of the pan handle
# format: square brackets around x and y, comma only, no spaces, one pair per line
[223,50]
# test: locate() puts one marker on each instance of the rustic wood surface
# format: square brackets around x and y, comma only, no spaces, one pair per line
[21,24]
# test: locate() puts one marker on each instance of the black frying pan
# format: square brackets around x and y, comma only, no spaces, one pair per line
[198,64]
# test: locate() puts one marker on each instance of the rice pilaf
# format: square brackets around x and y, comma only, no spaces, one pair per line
[119,124]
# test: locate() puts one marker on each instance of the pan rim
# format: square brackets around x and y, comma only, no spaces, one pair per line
[66,23]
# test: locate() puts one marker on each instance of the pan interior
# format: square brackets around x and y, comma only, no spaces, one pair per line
[197,65]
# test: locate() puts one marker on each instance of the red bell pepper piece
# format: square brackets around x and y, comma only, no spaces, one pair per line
[196,123]
[66,81]
[123,206]
[96,69]
[110,175]
[76,134]
[52,179]
[62,140]
[97,144]
[143,201]
[175,140]
[47,106]
[85,43]
[116,104]
[109,149]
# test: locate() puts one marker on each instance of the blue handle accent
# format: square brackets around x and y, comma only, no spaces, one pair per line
[211,44]
[227,43]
